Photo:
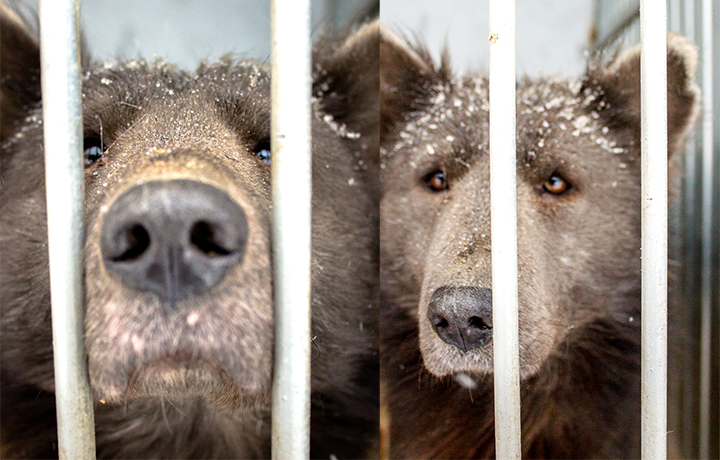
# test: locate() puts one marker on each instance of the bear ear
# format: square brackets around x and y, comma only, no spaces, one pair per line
[19,70]
[20,87]
[407,75]
[346,84]
[620,88]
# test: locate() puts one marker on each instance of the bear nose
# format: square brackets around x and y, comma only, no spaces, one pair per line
[462,316]
[174,238]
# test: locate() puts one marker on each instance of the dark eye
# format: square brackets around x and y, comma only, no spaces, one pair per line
[262,150]
[93,151]
[436,181]
[556,185]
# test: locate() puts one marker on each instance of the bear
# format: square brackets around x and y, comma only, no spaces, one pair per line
[179,322]
[578,194]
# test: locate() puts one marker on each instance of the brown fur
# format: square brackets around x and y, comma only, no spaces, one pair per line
[579,253]
[166,386]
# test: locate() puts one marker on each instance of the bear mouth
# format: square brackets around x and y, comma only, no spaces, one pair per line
[180,376]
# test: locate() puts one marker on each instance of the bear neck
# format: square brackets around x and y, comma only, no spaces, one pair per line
[590,383]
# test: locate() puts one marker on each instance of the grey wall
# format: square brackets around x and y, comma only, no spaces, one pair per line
[184,32]
[180,31]
[551,34]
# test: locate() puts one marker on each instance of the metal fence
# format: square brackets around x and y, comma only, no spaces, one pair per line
[654,227]
[291,180]
[694,380]
[62,112]
[696,405]
[504,229]
[63,130]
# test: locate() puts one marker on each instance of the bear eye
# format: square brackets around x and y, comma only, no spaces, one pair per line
[556,185]
[436,181]
[262,150]
[93,151]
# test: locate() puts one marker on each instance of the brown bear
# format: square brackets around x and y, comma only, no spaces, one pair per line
[578,192]
[179,323]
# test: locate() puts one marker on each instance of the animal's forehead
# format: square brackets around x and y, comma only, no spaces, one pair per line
[137,78]
[552,115]
[162,99]
[557,102]
[562,115]
[455,112]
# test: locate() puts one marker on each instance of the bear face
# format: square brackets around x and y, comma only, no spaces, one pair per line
[578,193]
[178,273]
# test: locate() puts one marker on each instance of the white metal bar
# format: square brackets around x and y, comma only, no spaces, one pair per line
[504,229]
[291,194]
[63,131]
[706,228]
[653,71]
[690,422]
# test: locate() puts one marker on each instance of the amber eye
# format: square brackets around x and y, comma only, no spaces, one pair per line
[556,185]
[436,181]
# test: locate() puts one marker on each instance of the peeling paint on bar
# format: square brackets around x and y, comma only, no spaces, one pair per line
[291,186]
[63,131]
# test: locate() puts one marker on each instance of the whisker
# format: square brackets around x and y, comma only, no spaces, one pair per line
[164,414]
[129,104]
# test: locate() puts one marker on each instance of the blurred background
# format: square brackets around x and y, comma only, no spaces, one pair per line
[185,32]
[551,35]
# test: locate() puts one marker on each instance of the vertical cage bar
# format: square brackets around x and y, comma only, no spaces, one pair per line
[504,229]
[653,71]
[691,275]
[63,131]
[706,228]
[291,195]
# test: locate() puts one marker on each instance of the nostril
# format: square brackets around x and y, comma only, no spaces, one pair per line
[462,316]
[203,236]
[173,238]
[133,243]
[439,322]
[478,323]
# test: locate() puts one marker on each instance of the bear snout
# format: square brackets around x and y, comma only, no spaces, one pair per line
[173,238]
[462,316]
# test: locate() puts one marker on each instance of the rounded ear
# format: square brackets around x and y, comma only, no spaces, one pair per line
[407,75]
[345,83]
[619,87]
[19,70]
